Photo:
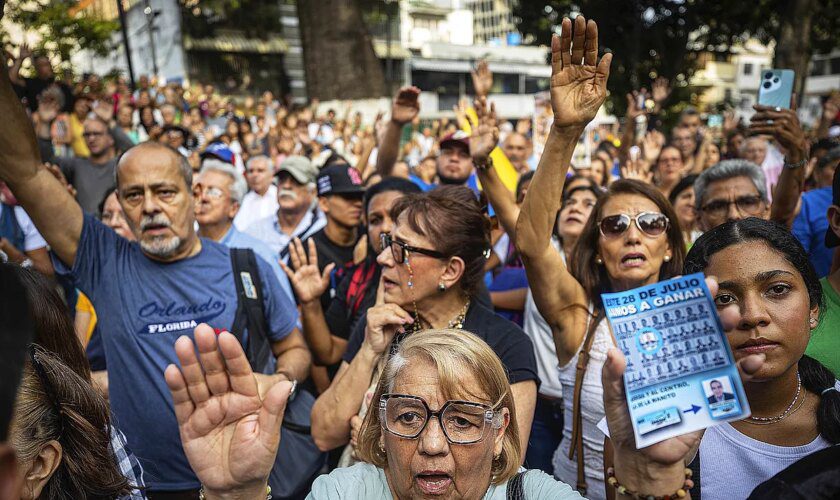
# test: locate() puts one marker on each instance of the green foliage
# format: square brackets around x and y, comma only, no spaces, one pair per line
[663,37]
[256,18]
[62,31]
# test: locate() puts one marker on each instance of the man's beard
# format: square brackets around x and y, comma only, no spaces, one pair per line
[452,180]
[158,246]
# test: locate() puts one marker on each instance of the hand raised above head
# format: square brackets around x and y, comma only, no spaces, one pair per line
[578,79]
[406,105]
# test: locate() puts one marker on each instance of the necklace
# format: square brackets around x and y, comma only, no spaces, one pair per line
[458,321]
[785,414]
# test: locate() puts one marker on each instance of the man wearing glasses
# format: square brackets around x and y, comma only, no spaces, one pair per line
[92,177]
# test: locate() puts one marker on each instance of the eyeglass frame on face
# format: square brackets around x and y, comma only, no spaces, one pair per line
[385,240]
[634,219]
[725,204]
[199,191]
[490,416]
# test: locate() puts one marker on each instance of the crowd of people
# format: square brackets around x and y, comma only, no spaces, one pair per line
[211,298]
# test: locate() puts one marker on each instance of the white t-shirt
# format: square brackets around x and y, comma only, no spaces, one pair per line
[32,239]
[255,207]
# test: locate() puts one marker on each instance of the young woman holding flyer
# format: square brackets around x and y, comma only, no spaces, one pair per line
[633,238]
[794,399]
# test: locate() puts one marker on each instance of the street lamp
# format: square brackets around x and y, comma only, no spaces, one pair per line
[150,26]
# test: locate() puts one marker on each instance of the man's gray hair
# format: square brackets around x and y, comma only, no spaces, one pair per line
[256,158]
[238,186]
[183,163]
[728,169]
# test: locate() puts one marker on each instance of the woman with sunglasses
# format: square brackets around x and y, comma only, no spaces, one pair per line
[631,239]
[432,266]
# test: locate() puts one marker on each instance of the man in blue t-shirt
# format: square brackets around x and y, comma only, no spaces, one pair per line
[146,293]
[811,224]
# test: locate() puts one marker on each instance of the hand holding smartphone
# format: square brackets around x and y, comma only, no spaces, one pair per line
[776,88]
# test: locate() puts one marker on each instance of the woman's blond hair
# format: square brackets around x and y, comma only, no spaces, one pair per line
[454,353]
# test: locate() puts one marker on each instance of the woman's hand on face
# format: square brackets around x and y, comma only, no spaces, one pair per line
[309,283]
[383,322]
[578,79]
[229,433]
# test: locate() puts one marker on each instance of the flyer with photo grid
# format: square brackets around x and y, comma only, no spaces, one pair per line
[681,375]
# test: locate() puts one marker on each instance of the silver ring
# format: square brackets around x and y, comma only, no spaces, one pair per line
[778,109]
[769,122]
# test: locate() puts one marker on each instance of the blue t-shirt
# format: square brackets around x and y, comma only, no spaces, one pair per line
[810,226]
[143,306]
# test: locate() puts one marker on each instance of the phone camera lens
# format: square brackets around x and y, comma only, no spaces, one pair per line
[767,85]
[775,80]
[768,76]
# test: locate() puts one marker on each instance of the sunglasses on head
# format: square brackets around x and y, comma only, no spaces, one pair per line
[650,223]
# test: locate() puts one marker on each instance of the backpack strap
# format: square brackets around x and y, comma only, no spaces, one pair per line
[576,447]
[250,314]
[516,487]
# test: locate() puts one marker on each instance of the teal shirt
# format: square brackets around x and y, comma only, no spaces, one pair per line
[825,338]
[365,481]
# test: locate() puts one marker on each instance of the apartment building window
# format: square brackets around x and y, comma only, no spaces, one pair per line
[748,69]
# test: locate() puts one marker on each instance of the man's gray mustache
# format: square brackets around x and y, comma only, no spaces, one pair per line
[287,193]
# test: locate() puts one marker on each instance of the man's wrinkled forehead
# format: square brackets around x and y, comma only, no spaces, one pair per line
[148,166]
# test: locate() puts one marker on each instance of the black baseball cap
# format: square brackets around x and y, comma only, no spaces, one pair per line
[831,239]
[339,178]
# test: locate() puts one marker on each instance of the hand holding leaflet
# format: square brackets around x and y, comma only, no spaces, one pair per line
[681,375]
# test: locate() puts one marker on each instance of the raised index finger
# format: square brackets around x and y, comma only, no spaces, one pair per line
[380,291]
[239,370]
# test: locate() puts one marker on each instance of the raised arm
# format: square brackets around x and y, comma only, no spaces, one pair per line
[482,142]
[14,71]
[783,125]
[55,213]
[578,88]
[405,108]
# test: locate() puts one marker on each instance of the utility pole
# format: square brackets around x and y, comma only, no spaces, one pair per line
[124,30]
[150,26]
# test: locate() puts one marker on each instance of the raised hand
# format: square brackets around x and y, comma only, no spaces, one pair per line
[485,135]
[229,434]
[637,169]
[482,79]
[831,106]
[578,79]
[660,90]
[383,322]
[633,108]
[730,121]
[309,283]
[55,170]
[24,52]
[652,144]
[406,105]
[47,110]
[783,125]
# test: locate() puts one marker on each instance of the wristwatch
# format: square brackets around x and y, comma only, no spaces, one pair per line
[488,163]
[794,166]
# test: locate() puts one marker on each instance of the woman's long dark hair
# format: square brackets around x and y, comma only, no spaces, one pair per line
[593,276]
[815,377]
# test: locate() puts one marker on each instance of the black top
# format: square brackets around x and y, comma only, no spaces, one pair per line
[508,341]
[816,476]
[354,295]
[328,253]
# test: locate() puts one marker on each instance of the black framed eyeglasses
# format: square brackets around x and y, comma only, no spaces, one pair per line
[750,205]
[650,223]
[400,249]
[462,422]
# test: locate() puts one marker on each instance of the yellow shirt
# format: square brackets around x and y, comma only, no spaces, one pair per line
[83,304]
[77,140]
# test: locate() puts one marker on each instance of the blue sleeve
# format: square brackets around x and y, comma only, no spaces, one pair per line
[96,257]
[801,227]
[280,312]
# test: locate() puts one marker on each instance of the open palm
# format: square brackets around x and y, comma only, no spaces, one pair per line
[578,80]
[307,280]
[485,135]
[229,434]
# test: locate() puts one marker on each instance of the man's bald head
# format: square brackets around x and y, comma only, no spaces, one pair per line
[158,153]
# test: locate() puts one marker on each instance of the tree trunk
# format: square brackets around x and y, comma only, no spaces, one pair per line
[338,54]
[793,44]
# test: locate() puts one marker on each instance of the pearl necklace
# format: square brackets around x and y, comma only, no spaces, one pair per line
[785,414]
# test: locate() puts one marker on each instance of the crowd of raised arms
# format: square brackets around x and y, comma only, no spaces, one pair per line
[220,299]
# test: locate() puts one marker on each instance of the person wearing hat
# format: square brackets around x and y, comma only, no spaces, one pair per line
[298,215]
[811,225]
[340,194]
[825,338]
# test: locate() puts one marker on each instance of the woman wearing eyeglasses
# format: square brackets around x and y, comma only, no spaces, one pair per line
[631,239]
[432,265]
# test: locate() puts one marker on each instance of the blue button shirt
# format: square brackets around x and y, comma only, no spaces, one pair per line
[143,306]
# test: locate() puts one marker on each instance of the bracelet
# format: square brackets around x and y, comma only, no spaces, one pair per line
[488,163]
[202,497]
[794,166]
[623,490]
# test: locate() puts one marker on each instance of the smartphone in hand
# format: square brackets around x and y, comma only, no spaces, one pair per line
[776,88]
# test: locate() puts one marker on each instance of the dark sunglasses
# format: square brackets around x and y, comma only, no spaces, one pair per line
[400,249]
[650,223]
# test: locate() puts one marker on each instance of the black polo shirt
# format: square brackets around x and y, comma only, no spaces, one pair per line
[508,341]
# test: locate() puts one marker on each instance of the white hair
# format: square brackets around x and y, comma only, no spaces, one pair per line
[256,158]
[238,186]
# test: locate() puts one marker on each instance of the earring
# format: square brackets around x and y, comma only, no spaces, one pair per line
[667,258]
[598,260]
[813,322]
[441,287]
[382,447]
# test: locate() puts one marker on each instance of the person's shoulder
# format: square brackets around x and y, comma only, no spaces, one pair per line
[360,481]
[487,323]
[538,484]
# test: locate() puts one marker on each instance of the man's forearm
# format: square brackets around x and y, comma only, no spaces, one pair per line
[318,335]
[786,197]
[294,363]
[389,148]
[500,198]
